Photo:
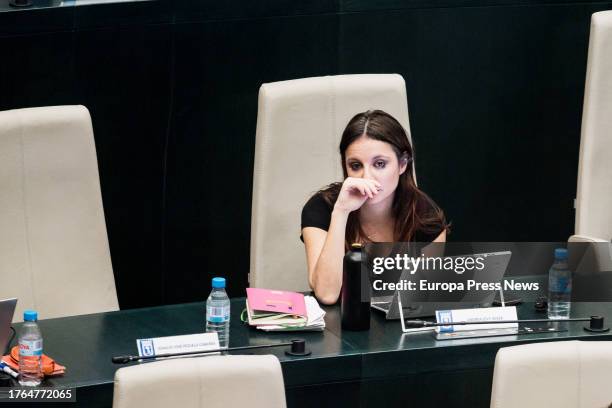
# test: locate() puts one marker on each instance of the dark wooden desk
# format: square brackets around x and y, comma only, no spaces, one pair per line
[380,366]
[421,371]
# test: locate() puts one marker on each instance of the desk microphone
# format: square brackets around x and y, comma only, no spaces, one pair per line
[596,324]
[298,348]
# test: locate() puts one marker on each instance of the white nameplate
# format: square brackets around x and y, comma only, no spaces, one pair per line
[483,314]
[177,344]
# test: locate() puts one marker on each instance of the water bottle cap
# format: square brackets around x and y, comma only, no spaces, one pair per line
[356,245]
[218,283]
[30,316]
[561,253]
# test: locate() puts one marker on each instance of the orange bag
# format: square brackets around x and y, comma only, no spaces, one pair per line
[49,366]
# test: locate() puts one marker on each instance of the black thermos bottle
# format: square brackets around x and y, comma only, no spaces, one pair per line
[355,306]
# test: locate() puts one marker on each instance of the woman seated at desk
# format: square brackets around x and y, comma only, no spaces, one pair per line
[378,201]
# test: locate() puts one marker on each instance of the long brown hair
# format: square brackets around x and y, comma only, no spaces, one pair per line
[412,209]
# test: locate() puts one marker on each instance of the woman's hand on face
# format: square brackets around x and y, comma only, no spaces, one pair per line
[355,192]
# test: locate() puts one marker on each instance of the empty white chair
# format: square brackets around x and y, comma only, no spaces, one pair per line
[594,193]
[54,254]
[211,382]
[299,126]
[564,374]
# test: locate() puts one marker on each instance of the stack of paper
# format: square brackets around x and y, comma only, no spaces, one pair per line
[275,310]
[315,322]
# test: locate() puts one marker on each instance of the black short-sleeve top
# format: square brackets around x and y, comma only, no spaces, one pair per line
[317,213]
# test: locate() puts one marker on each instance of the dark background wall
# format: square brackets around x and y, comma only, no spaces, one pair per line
[495,92]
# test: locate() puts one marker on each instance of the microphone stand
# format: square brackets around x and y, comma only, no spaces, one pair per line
[596,324]
[298,348]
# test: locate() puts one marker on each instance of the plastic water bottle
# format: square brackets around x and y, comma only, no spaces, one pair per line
[30,351]
[559,287]
[218,312]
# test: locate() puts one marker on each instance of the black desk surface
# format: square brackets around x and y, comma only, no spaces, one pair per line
[363,366]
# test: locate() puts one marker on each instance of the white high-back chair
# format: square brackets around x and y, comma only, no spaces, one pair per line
[594,194]
[202,382]
[54,254]
[563,374]
[299,126]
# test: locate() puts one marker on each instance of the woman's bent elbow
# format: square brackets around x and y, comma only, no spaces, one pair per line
[325,291]
[327,297]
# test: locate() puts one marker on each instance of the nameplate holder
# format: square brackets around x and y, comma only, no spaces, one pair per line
[178,344]
[484,314]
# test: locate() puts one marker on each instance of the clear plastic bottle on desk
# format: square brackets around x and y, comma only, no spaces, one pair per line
[30,351]
[218,312]
[559,287]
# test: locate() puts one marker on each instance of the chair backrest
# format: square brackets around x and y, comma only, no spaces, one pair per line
[211,382]
[299,126]
[594,194]
[564,374]
[54,254]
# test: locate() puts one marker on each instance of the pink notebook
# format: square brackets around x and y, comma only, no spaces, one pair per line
[276,301]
